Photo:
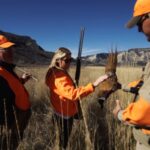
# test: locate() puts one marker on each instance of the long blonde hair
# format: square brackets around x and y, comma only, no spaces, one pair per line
[59,54]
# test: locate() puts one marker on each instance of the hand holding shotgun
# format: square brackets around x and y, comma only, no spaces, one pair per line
[26,76]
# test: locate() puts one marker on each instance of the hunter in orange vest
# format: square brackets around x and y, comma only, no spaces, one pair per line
[63,93]
[14,99]
[137,113]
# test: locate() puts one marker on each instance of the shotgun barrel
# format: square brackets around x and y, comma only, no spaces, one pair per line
[78,61]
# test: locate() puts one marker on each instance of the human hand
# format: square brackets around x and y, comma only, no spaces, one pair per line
[117,108]
[100,80]
[25,77]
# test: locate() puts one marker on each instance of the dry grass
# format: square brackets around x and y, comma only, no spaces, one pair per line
[105,132]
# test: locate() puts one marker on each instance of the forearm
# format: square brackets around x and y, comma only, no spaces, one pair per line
[73,94]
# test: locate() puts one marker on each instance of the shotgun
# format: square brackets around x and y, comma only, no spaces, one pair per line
[21,70]
[78,60]
[78,68]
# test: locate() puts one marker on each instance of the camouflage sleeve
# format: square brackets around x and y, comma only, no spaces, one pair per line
[145,90]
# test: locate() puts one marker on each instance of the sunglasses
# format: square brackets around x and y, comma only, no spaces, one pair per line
[140,22]
[67,60]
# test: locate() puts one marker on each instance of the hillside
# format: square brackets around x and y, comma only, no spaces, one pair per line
[29,52]
[136,57]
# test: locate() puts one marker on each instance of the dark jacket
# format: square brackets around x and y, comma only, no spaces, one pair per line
[7,97]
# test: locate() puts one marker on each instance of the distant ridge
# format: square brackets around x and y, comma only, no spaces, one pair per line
[132,57]
[28,52]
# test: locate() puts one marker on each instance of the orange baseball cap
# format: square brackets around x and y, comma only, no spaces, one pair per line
[4,42]
[141,7]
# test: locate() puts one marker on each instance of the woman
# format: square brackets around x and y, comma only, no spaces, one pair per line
[63,93]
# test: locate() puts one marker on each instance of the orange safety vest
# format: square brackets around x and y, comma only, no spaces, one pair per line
[21,95]
[63,94]
[138,113]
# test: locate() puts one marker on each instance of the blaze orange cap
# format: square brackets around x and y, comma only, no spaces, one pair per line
[4,42]
[141,7]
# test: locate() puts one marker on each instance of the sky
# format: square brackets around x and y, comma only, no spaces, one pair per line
[57,23]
